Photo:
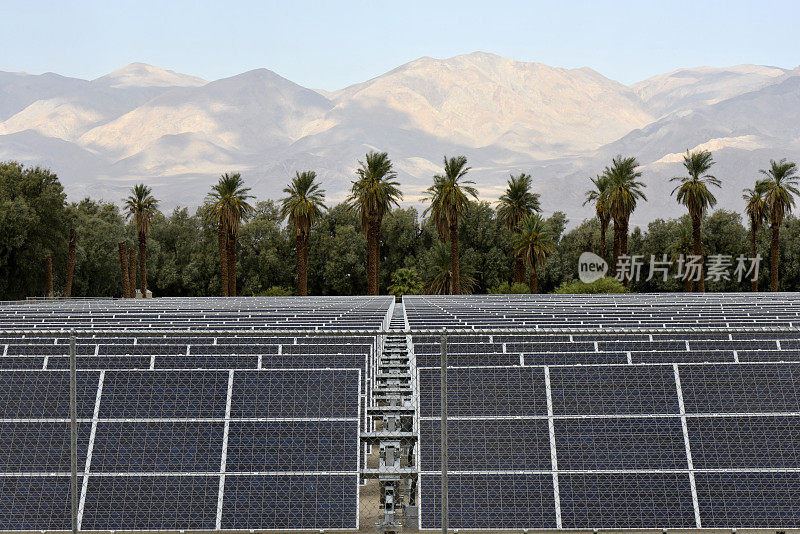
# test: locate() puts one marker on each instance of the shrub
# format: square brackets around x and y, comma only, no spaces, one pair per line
[603,285]
[510,289]
[405,281]
[276,291]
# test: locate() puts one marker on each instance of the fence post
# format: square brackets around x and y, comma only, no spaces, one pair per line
[443,394]
[73,433]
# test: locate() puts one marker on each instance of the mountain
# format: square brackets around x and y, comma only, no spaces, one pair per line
[178,133]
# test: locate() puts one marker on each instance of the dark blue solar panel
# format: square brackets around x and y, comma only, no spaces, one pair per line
[45,393]
[232,349]
[164,394]
[21,362]
[209,361]
[613,390]
[468,359]
[330,393]
[160,447]
[695,356]
[140,349]
[489,391]
[290,502]
[790,355]
[745,442]
[100,362]
[572,358]
[547,346]
[641,345]
[754,500]
[314,361]
[35,503]
[151,503]
[292,446]
[741,388]
[490,501]
[40,447]
[625,443]
[629,500]
[474,445]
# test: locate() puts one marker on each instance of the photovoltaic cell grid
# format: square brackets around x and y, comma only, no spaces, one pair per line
[182,449]
[611,431]
[197,432]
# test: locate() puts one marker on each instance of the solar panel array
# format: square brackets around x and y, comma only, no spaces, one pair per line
[608,430]
[234,431]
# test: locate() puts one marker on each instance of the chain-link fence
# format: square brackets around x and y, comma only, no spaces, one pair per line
[400,429]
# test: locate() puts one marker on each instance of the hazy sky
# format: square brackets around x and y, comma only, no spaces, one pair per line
[329,45]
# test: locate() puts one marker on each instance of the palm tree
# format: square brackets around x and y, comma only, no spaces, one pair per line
[598,196]
[624,190]
[228,200]
[449,197]
[694,194]
[516,203]
[440,272]
[758,213]
[303,208]
[371,197]
[780,186]
[534,243]
[141,205]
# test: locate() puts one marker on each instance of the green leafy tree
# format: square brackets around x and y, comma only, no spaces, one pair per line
[757,213]
[535,244]
[449,198]
[400,235]
[693,193]
[372,195]
[598,196]
[266,255]
[141,206]
[406,281]
[228,201]
[33,223]
[303,208]
[622,193]
[516,203]
[779,189]
[438,264]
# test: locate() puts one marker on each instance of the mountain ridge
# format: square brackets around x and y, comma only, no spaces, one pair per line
[145,123]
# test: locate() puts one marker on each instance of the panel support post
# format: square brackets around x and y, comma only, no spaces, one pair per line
[443,392]
[73,434]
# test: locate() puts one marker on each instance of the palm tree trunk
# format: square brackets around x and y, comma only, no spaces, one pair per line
[222,238]
[603,229]
[615,248]
[231,248]
[302,265]
[373,257]
[519,269]
[48,274]
[753,230]
[454,263]
[697,250]
[143,264]
[123,263]
[533,282]
[623,247]
[70,263]
[132,271]
[773,263]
